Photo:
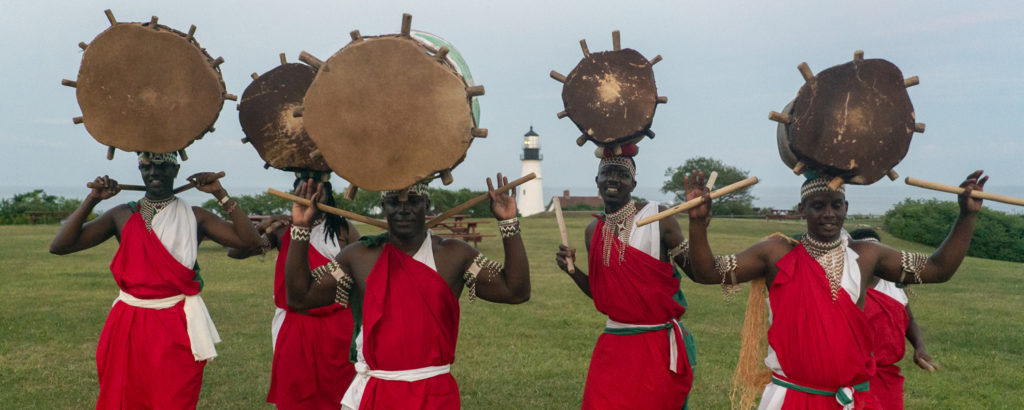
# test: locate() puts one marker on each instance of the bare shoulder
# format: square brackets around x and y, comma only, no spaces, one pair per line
[454,248]
[774,247]
[869,248]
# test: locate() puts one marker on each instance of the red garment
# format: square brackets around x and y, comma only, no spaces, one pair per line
[889,319]
[410,321]
[311,369]
[144,357]
[820,343]
[632,371]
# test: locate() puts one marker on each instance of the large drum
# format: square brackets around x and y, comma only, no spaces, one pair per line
[853,121]
[611,95]
[266,115]
[148,87]
[388,111]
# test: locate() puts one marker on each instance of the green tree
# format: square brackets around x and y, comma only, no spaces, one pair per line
[36,207]
[736,203]
[997,235]
[259,204]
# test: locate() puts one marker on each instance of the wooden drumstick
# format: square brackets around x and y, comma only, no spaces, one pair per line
[123,187]
[685,206]
[190,185]
[711,180]
[958,190]
[565,234]
[329,209]
[483,197]
[273,227]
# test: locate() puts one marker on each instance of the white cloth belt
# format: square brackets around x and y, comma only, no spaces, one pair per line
[673,342]
[354,394]
[202,334]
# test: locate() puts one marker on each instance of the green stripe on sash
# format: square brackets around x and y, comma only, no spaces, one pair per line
[688,342]
[840,395]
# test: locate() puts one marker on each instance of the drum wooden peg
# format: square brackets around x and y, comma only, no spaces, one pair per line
[475,91]
[82,45]
[805,71]
[245,140]
[152,23]
[446,177]
[110,16]
[110,153]
[297,111]
[479,132]
[662,100]
[919,127]
[254,76]
[858,55]
[191,33]
[350,192]
[650,134]
[616,41]
[557,76]
[78,120]
[656,59]
[581,140]
[442,54]
[283,59]
[835,183]
[912,81]
[892,175]
[266,165]
[562,114]
[355,35]
[315,155]
[218,62]
[799,168]
[68,83]
[586,51]
[211,129]
[183,155]
[779,117]
[309,59]
[231,97]
[406,24]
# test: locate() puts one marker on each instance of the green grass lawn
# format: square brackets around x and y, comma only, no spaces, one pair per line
[533,355]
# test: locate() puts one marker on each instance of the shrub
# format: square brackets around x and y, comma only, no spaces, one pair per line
[997,235]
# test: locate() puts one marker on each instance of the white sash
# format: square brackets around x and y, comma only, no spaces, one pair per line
[354,394]
[202,334]
[673,343]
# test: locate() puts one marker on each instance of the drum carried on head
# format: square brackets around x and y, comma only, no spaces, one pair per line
[852,122]
[388,111]
[147,87]
[611,95]
[266,115]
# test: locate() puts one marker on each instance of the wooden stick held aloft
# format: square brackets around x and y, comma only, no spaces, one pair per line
[329,209]
[565,234]
[470,203]
[693,203]
[935,186]
[127,187]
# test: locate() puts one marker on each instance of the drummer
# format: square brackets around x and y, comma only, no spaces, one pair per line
[404,287]
[146,358]
[632,280]
[820,339]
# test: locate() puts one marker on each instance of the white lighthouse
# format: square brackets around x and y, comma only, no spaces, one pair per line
[531,194]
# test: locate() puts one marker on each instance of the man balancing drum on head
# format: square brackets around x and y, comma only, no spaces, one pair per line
[403,288]
[158,335]
[820,352]
[310,367]
[643,359]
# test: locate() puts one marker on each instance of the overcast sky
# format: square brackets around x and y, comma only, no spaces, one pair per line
[726,64]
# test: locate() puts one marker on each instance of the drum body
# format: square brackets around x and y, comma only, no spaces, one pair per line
[144,87]
[385,112]
[611,96]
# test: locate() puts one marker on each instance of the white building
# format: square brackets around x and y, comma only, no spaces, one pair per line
[530,199]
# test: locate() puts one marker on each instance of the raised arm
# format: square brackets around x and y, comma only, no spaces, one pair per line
[75,235]
[303,290]
[578,277]
[510,284]
[239,233]
[905,267]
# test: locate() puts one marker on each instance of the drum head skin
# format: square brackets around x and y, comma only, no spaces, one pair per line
[266,115]
[853,120]
[385,114]
[611,96]
[142,89]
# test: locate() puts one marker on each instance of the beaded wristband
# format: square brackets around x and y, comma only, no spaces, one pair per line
[300,233]
[509,228]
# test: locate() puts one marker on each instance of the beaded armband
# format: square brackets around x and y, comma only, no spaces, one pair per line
[682,249]
[343,280]
[725,265]
[480,265]
[912,263]
[300,233]
[265,244]
[509,227]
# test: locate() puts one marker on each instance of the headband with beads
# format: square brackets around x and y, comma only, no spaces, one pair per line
[620,155]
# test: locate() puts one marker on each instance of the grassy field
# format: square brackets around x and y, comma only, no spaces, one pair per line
[533,355]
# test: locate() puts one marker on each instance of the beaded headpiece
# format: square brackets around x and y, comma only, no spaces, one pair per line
[146,158]
[420,188]
[817,184]
[621,156]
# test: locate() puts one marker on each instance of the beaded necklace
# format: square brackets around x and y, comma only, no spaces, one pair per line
[831,257]
[620,224]
[151,207]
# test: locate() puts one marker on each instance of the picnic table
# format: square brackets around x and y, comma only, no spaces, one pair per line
[459,227]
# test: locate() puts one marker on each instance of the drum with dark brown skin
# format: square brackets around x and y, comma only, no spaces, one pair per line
[611,96]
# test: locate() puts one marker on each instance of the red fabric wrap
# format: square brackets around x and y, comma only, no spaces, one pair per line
[631,371]
[144,357]
[310,368]
[889,319]
[410,320]
[820,343]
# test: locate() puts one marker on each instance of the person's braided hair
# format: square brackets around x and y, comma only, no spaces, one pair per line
[332,223]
